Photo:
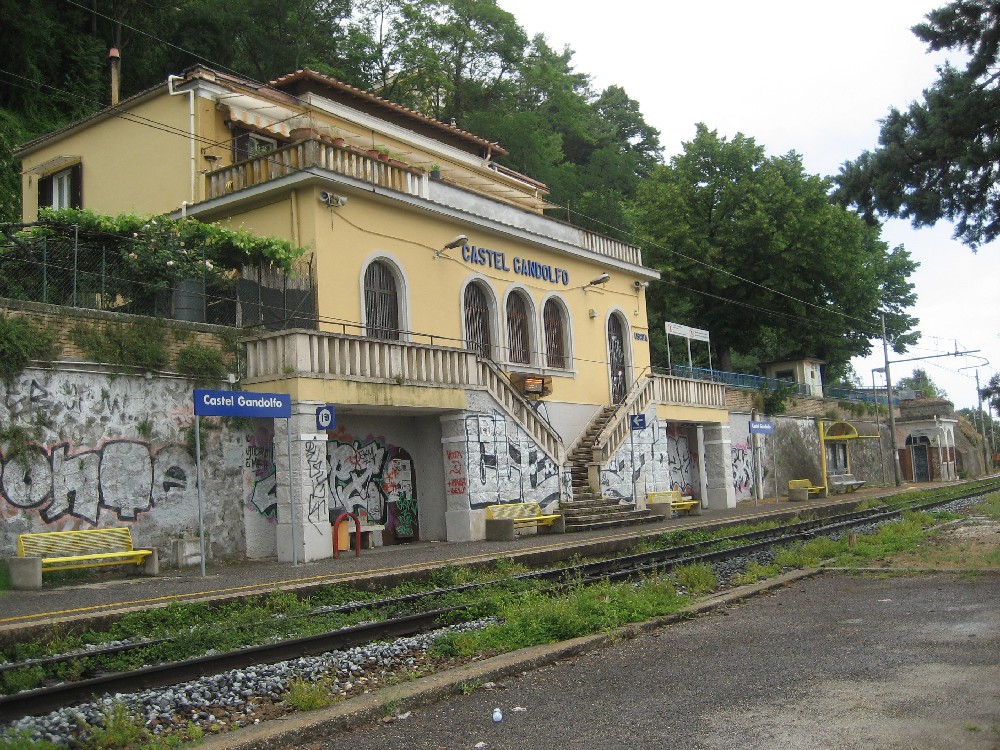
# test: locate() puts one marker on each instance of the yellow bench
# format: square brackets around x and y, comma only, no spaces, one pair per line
[502,521]
[802,489]
[678,503]
[70,550]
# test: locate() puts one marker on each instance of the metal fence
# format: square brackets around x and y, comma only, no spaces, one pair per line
[759,383]
[77,270]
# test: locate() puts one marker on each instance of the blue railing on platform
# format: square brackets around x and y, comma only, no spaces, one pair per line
[759,382]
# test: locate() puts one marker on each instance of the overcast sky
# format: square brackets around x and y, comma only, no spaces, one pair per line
[797,76]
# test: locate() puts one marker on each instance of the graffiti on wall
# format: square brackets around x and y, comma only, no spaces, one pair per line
[124,477]
[654,459]
[261,489]
[742,459]
[374,479]
[317,510]
[355,478]
[502,464]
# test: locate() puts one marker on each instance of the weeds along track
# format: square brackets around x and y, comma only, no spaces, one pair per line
[98,670]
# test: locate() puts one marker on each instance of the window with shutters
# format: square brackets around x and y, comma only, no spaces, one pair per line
[555,335]
[518,329]
[381,302]
[478,334]
[62,189]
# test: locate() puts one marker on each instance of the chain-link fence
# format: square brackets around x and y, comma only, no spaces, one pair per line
[90,270]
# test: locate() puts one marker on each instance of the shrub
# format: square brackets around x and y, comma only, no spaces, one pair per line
[20,342]
[203,365]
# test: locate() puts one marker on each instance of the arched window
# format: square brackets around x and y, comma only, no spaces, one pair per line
[478,336]
[555,335]
[616,359]
[518,336]
[381,302]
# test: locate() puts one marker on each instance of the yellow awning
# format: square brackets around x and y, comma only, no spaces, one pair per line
[850,430]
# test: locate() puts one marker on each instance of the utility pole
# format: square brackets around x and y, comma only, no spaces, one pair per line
[898,474]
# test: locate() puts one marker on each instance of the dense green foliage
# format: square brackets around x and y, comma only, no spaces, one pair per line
[752,248]
[20,342]
[921,382]
[940,158]
[471,62]
[462,59]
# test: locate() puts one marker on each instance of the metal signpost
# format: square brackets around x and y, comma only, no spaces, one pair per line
[240,404]
[688,333]
[758,427]
[635,422]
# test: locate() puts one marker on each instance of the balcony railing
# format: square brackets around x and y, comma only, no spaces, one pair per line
[317,354]
[660,389]
[470,194]
[344,160]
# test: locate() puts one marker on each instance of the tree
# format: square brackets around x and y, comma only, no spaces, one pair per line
[991,393]
[920,382]
[752,249]
[940,159]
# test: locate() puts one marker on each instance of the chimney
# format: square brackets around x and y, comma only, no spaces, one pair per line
[115,58]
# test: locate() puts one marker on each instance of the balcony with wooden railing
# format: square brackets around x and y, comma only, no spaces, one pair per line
[512,202]
[316,354]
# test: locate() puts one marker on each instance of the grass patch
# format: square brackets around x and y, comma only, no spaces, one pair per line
[532,619]
[308,696]
[697,578]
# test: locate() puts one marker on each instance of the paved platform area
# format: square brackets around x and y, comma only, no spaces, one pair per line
[117,591]
[828,662]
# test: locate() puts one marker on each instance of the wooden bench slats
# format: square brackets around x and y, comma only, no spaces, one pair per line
[88,548]
[677,501]
[805,484]
[523,514]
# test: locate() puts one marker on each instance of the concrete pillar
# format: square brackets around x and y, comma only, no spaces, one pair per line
[307,488]
[702,469]
[462,524]
[718,460]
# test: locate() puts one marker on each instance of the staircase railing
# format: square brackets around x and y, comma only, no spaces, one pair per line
[521,410]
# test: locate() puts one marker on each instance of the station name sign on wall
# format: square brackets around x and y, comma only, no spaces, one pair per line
[241,404]
[497,259]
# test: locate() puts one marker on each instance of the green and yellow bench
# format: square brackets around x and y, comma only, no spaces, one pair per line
[503,521]
[803,489]
[47,551]
[678,503]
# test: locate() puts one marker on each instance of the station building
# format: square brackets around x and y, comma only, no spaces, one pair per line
[477,351]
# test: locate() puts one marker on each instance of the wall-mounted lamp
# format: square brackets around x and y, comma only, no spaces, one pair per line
[212,158]
[332,199]
[604,278]
[592,312]
[456,242]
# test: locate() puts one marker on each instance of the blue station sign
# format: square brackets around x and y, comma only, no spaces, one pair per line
[762,428]
[637,421]
[241,404]
[326,418]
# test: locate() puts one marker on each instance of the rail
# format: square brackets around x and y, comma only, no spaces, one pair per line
[348,161]
[660,389]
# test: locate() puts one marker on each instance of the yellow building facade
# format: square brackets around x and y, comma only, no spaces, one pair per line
[477,350]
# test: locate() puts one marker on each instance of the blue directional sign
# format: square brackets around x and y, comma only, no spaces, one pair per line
[241,404]
[326,418]
[637,421]
[762,428]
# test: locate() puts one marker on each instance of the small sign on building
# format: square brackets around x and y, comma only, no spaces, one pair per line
[761,428]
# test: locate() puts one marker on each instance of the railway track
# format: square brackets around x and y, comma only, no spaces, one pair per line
[43,700]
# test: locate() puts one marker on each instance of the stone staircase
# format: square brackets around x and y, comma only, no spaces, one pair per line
[587,511]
